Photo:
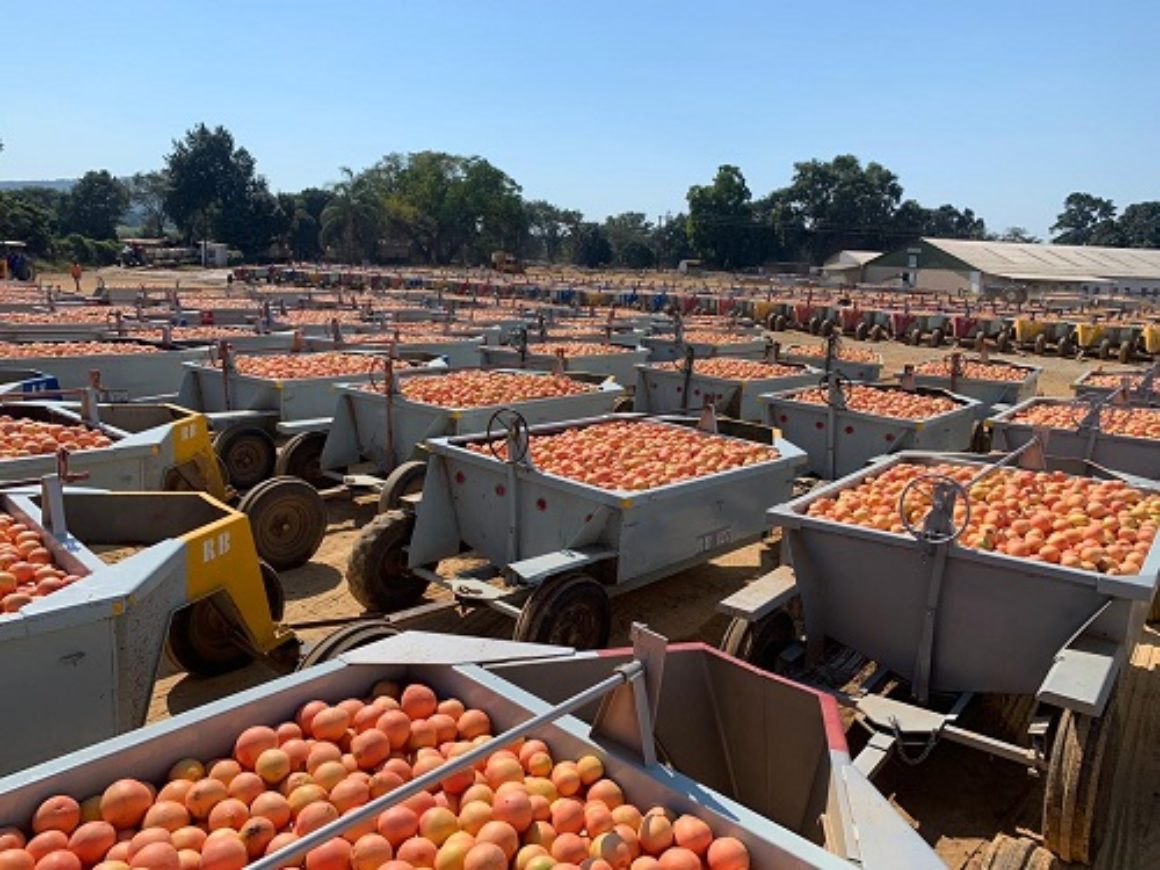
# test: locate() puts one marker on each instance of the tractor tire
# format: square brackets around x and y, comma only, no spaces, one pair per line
[377,573]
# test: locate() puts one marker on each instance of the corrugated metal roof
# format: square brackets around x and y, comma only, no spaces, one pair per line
[1052,262]
[846,259]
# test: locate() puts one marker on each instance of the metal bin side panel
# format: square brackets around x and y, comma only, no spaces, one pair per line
[1137,456]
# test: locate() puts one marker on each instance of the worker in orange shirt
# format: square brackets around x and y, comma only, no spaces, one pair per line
[76,271]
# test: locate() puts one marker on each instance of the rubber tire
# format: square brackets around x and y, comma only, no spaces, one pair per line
[400,482]
[980,438]
[877,332]
[936,338]
[826,328]
[257,465]
[815,325]
[343,640]
[1066,349]
[275,591]
[551,614]
[779,323]
[761,643]
[624,405]
[1105,350]
[1040,346]
[201,654]
[861,331]
[1124,355]
[980,340]
[1017,853]
[301,457]
[1080,768]
[1003,343]
[375,573]
[286,548]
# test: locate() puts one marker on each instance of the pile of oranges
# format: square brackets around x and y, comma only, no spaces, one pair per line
[884,402]
[479,389]
[295,366]
[1134,422]
[70,349]
[707,336]
[973,370]
[27,569]
[520,808]
[845,352]
[1103,526]
[20,437]
[575,348]
[734,369]
[1113,380]
[632,455]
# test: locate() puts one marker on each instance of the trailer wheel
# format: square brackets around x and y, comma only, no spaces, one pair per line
[301,457]
[980,340]
[861,331]
[1106,349]
[980,438]
[1003,342]
[1017,853]
[571,610]
[201,641]
[1041,344]
[760,643]
[1066,349]
[343,640]
[779,323]
[377,570]
[624,405]
[815,325]
[877,333]
[406,479]
[826,328]
[288,519]
[936,338]
[249,455]
[1125,353]
[1079,774]
[916,336]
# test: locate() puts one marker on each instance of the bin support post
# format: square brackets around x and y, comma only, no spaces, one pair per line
[812,607]
[929,623]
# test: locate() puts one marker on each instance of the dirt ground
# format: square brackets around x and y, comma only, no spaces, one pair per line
[959,799]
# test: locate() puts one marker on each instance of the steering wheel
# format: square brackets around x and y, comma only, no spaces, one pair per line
[511,425]
[938,525]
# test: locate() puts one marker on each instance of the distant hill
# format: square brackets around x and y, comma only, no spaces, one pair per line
[55,184]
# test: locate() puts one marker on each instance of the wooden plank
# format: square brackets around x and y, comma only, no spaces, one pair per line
[761,597]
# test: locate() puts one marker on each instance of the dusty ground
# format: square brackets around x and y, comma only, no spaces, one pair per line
[959,799]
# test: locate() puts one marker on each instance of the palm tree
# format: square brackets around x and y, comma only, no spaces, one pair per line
[351,219]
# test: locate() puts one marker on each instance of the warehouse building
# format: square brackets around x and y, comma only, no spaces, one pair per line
[951,265]
[847,267]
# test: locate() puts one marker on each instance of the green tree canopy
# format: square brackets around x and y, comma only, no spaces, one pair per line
[1139,225]
[95,205]
[721,225]
[147,191]
[352,218]
[1085,220]
[591,248]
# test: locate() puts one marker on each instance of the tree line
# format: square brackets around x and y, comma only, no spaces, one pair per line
[435,208]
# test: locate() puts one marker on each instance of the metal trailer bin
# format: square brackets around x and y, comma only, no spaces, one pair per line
[155,447]
[1142,386]
[1133,455]
[679,389]
[135,375]
[957,621]
[666,348]
[816,811]
[14,380]
[562,547]
[389,432]
[241,340]
[459,352]
[194,588]
[620,364]
[866,371]
[988,393]
[839,440]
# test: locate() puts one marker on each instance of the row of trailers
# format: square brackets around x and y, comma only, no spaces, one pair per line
[556,553]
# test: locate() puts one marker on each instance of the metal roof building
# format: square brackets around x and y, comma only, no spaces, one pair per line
[954,264]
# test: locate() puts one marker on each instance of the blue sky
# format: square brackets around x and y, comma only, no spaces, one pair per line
[1001,106]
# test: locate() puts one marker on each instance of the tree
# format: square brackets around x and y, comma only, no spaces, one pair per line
[95,205]
[548,229]
[147,191]
[26,221]
[1018,234]
[350,222]
[592,248]
[720,225]
[629,234]
[215,191]
[1139,225]
[671,239]
[830,206]
[1085,220]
